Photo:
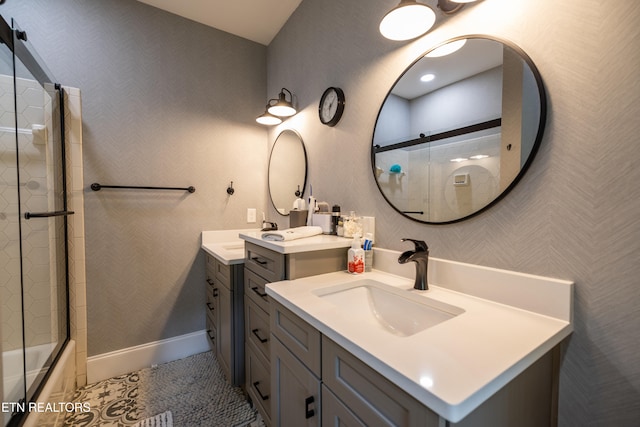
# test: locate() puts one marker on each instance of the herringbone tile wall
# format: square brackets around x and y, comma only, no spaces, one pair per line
[575,215]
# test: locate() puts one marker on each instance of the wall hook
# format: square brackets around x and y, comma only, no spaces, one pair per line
[298,193]
[230,189]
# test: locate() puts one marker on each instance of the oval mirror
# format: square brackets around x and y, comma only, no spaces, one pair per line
[287,174]
[458,130]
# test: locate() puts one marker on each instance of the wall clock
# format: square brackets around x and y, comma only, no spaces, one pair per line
[331,106]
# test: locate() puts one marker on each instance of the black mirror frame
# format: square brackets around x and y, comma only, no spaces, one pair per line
[306,168]
[534,149]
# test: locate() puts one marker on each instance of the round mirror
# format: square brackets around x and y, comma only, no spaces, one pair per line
[458,129]
[287,170]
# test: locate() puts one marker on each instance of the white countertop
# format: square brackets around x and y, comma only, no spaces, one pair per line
[314,243]
[225,245]
[455,366]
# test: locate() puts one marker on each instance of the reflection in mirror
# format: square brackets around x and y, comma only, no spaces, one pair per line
[287,170]
[457,132]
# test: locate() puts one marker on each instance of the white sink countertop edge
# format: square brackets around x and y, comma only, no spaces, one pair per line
[225,245]
[455,366]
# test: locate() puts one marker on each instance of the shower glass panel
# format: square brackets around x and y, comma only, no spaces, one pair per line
[11,338]
[33,220]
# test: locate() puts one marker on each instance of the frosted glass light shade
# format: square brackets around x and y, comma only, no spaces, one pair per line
[268,119]
[407,21]
[282,110]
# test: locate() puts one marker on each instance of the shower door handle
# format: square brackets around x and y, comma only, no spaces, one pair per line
[29,215]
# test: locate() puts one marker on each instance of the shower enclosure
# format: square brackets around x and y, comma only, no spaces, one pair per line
[33,224]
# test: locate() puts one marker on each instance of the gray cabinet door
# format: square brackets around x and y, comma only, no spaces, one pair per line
[225,345]
[335,413]
[371,397]
[295,390]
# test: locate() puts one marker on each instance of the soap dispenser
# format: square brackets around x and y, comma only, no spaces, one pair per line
[355,257]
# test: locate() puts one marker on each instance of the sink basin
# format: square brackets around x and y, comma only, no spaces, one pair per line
[398,311]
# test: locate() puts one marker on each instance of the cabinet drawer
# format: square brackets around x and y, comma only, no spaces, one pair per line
[223,274]
[254,288]
[211,328]
[375,400]
[212,307]
[210,266]
[334,413]
[258,382]
[258,328]
[264,262]
[302,339]
[212,291]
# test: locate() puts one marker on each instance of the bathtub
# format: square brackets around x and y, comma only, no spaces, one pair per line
[60,384]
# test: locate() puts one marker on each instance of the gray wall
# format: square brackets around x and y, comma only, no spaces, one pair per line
[575,215]
[166,102]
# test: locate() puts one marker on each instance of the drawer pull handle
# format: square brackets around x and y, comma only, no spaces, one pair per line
[308,413]
[259,261]
[211,336]
[210,282]
[215,292]
[262,340]
[210,306]
[260,294]
[262,396]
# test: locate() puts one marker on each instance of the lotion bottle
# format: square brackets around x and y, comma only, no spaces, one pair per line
[355,257]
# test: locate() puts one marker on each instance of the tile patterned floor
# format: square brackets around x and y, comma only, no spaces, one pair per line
[113,402]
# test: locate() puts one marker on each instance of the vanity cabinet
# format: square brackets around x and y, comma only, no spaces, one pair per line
[225,317]
[263,265]
[295,370]
[317,382]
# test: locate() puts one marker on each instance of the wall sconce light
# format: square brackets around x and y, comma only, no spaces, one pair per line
[282,108]
[277,108]
[268,119]
[407,20]
[410,19]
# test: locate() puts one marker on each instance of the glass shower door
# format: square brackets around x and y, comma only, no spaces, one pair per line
[12,387]
[43,213]
[33,222]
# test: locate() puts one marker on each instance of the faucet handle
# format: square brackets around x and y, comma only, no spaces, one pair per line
[420,245]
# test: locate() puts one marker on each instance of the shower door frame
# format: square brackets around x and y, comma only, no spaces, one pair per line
[15,40]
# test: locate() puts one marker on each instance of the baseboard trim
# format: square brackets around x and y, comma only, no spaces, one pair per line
[120,362]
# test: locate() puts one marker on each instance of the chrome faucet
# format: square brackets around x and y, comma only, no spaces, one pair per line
[421,257]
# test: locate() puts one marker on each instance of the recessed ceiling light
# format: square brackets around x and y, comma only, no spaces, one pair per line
[427,77]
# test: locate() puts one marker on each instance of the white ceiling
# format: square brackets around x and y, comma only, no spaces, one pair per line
[256,20]
[476,56]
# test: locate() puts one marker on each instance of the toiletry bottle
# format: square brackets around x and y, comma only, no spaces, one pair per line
[367,246]
[335,216]
[355,257]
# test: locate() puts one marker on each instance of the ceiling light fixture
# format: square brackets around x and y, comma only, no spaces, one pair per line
[408,20]
[282,107]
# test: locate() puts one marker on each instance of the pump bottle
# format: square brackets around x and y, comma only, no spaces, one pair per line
[355,257]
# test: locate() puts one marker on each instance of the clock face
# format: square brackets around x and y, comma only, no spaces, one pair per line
[331,106]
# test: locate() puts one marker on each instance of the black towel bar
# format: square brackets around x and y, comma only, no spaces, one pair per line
[97,187]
